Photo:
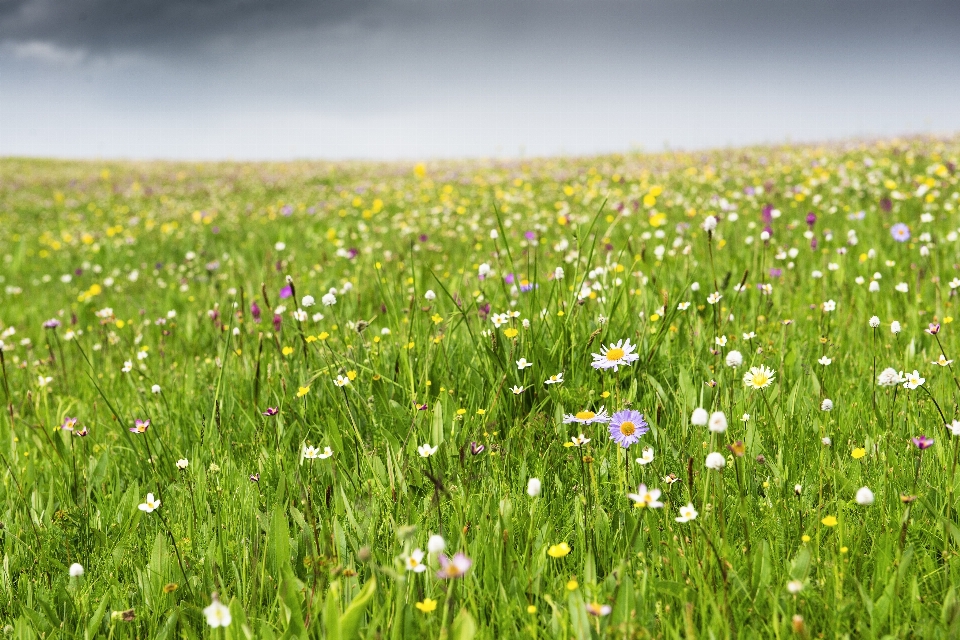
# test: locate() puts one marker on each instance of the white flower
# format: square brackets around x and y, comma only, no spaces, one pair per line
[902,287]
[523,363]
[615,355]
[155,388]
[533,487]
[955,283]
[709,224]
[329,299]
[425,450]
[341,381]
[695,286]
[646,456]
[579,441]
[745,417]
[826,405]
[720,341]
[436,544]
[300,315]
[874,286]
[734,359]
[218,614]
[310,452]
[864,496]
[327,452]
[715,461]
[484,271]
[687,513]
[558,273]
[76,570]
[829,306]
[182,463]
[874,321]
[493,234]
[308,301]
[699,417]
[794,586]
[954,427]
[913,380]
[816,274]
[890,377]
[749,336]
[127,366]
[714,297]
[826,441]
[44,381]
[142,355]
[149,504]
[587,417]
[718,422]
[649,498]
[554,379]
[430,295]
[517,390]
[942,361]
[895,327]
[414,561]
[683,306]
[280,246]
[825,361]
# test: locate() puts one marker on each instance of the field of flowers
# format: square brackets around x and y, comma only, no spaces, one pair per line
[672,396]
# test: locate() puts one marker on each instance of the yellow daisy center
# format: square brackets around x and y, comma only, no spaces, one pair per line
[585,415]
[627,428]
[614,354]
[760,379]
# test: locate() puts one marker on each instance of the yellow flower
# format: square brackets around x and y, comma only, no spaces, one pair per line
[558,550]
[829,521]
[511,332]
[531,609]
[352,375]
[481,412]
[605,394]
[805,538]
[302,391]
[858,453]
[428,605]
[844,549]
[437,318]
[323,335]
[948,320]
[460,412]
[572,585]
[311,338]
[287,351]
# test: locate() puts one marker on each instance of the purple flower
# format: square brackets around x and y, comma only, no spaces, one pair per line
[52,323]
[811,219]
[68,424]
[140,426]
[271,411]
[886,204]
[286,292]
[776,273]
[423,237]
[530,235]
[922,442]
[933,328]
[476,449]
[767,214]
[454,567]
[900,232]
[277,321]
[627,426]
[255,311]
[509,278]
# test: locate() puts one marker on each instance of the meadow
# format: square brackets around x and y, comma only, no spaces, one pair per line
[678,395]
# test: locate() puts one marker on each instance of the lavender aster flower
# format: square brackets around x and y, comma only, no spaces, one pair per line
[900,232]
[454,567]
[627,426]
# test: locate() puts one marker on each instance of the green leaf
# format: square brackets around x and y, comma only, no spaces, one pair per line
[291,600]
[278,545]
[93,626]
[351,618]
[464,627]
[436,428]
[331,612]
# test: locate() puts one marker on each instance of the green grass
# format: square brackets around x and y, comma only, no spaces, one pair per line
[317,548]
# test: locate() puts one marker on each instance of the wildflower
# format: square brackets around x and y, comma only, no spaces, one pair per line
[302,391]
[902,287]
[558,273]
[895,327]
[579,441]
[596,609]
[436,544]
[874,321]
[795,587]
[271,411]
[484,271]
[922,442]
[76,570]
[454,567]
[745,417]
[858,453]
[425,450]
[646,456]
[533,487]
[150,504]
[913,380]
[687,513]
[715,461]
[942,361]
[826,405]
[749,336]
[890,377]
[127,366]
[737,448]
[140,426]
[954,427]
[720,341]
[933,328]
[829,521]
[328,299]
[798,489]
[864,496]
[714,297]
[341,381]
[718,422]
[572,584]
[670,478]
[826,441]
[430,295]
[627,426]
[829,305]
[310,453]
[414,561]
[476,449]
[646,498]
[699,417]
[68,424]
[825,361]
[555,379]
[900,232]
[587,417]
[615,356]
[683,306]
[523,363]
[308,301]
[734,359]
[217,614]
[517,390]
[182,464]
[758,377]
[428,605]
[558,550]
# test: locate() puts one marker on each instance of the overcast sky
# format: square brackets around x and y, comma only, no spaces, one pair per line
[257,79]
